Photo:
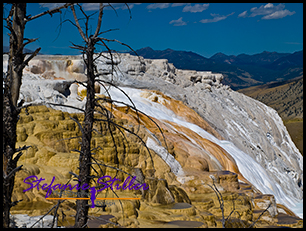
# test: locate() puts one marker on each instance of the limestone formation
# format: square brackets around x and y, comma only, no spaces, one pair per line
[253,127]
[202,120]
[46,159]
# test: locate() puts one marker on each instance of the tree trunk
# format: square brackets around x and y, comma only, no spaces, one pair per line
[10,113]
[16,56]
[9,142]
[16,22]
[85,155]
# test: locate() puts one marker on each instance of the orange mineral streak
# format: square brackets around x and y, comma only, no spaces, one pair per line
[190,149]
[206,149]
[181,110]
[59,78]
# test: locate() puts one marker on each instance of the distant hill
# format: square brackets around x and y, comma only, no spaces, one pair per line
[223,58]
[288,61]
[240,71]
[181,59]
[261,59]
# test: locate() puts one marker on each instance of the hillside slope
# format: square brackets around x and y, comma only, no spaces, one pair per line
[286,98]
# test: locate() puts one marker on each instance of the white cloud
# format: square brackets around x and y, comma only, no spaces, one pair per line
[158,5]
[243,14]
[270,11]
[195,8]
[269,5]
[178,22]
[90,6]
[123,6]
[51,6]
[278,14]
[216,18]
[178,4]
[266,9]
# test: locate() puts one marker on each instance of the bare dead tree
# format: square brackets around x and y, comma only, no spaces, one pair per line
[85,153]
[85,158]
[15,23]
[93,104]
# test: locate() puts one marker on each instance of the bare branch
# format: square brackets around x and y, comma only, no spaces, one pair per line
[110,30]
[260,216]
[123,44]
[17,157]
[8,18]
[141,140]
[22,148]
[130,12]
[29,41]
[109,51]
[78,24]
[58,203]
[134,108]
[118,169]
[113,9]
[99,20]
[25,63]
[78,123]
[26,43]
[75,46]
[43,216]
[6,177]
[28,105]
[63,105]
[73,174]
[87,19]
[233,210]
[126,95]
[16,202]
[220,199]
[55,10]
[67,20]
[75,150]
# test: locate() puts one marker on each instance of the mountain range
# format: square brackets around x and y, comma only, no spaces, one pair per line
[239,71]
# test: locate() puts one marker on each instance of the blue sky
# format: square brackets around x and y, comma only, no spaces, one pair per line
[204,28]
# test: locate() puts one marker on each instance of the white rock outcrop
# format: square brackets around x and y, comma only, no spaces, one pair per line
[26,221]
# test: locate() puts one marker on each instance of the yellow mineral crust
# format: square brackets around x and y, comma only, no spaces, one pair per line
[168,203]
